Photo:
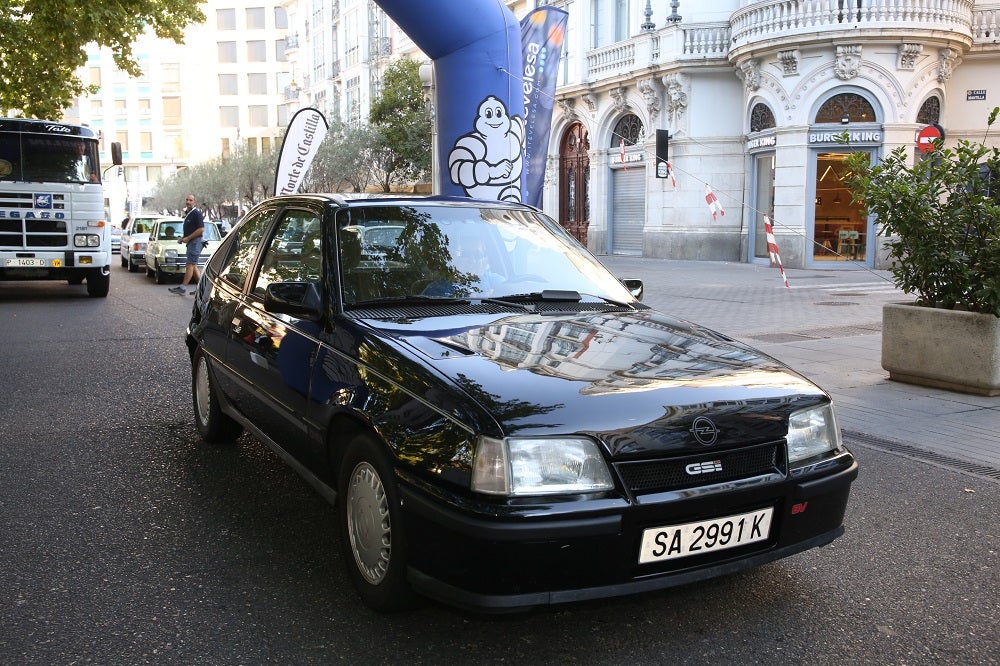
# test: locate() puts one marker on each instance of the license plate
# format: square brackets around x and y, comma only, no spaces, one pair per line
[21,262]
[706,536]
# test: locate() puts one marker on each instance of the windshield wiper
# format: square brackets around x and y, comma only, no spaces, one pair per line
[414,299]
[563,295]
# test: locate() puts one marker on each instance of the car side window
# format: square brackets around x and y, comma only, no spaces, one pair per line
[294,253]
[245,243]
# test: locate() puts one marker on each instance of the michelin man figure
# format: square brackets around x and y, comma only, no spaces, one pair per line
[487,162]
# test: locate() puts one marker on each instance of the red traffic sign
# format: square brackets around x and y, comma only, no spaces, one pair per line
[927,136]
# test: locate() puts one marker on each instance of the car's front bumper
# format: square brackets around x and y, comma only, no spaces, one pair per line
[513,560]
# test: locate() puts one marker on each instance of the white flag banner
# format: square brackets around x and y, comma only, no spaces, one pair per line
[306,130]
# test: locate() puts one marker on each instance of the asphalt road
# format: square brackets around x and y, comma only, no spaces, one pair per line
[126,540]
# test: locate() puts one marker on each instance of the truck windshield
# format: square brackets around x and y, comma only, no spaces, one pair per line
[48,158]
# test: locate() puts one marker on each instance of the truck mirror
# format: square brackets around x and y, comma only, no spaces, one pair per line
[116,153]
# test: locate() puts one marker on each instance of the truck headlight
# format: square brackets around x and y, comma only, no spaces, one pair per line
[539,466]
[87,240]
[812,432]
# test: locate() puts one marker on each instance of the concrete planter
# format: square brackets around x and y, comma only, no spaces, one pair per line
[950,349]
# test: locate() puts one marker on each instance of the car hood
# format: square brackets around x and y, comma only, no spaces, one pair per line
[640,381]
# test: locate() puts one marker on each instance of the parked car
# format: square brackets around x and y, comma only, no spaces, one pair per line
[135,236]
[116,238]
[499,422]
[165,254]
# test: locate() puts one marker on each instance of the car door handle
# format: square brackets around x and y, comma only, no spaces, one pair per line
[258,359]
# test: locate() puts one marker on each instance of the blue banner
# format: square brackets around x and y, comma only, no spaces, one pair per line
[542,34]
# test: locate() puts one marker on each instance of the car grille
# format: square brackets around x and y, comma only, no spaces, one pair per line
[653,476]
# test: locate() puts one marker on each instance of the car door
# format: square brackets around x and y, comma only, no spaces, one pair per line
[229,272]
[272,353]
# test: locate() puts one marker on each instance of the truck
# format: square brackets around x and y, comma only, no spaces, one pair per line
[53,224]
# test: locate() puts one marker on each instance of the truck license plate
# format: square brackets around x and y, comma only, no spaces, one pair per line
[19,262]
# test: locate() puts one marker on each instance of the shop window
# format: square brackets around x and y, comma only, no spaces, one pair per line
[761,118]
[846,108]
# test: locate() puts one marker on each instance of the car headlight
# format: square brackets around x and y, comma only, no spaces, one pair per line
[170,254]
[812,432]
[542,466]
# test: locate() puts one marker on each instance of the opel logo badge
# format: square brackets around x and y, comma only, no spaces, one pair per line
[704,431]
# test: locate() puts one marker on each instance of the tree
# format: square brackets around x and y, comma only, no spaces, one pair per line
[343,160]
[401,150]
[43,44]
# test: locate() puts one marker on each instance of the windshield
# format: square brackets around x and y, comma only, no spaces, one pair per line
[399,252]
[48,158]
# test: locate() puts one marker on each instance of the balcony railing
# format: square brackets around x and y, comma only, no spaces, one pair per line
[774,19]
[691,43]
[986,25]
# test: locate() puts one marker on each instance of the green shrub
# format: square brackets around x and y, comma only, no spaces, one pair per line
[941,219]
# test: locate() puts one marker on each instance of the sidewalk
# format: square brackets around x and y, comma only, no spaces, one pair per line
[828,326]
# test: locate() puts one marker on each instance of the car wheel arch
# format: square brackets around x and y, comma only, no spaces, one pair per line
[342,429]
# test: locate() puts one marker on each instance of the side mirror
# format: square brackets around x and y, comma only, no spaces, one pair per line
[634,286]
[116,153]
[298,299]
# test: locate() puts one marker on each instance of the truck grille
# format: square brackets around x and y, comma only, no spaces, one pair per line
[33,233]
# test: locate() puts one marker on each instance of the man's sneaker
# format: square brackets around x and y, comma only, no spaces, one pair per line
[177,290]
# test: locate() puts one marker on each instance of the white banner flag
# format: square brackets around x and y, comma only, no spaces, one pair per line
[306,131]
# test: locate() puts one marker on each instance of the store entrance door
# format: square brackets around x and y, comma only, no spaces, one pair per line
[841,232]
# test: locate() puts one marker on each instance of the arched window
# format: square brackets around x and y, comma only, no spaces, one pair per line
[628,128]
[761,117]
[930,111]
[850,106]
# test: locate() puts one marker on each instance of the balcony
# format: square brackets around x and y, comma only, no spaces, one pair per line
[777,24]
[692,44]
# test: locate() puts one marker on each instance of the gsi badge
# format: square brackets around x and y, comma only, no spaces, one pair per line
[704,467]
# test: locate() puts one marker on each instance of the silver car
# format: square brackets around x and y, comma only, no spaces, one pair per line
[135,237]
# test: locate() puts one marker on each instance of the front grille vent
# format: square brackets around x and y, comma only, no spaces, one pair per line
[654,476]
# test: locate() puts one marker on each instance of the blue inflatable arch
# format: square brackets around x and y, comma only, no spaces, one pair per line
[476,49]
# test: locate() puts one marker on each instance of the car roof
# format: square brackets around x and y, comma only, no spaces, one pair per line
[357,199]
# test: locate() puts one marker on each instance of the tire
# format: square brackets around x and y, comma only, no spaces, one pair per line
[132,266]
[98,284]
[124,261]
[371,529]
[161,277]
[213,425]
[149,271]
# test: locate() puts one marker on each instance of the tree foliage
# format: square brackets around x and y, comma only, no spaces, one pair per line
[941,216]
[239,181]
[43,44]
[401,150]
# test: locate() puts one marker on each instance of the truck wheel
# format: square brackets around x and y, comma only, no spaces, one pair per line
[98,284]
[371,529]
[213,425]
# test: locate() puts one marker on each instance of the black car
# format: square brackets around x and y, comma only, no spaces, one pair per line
[498,420]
